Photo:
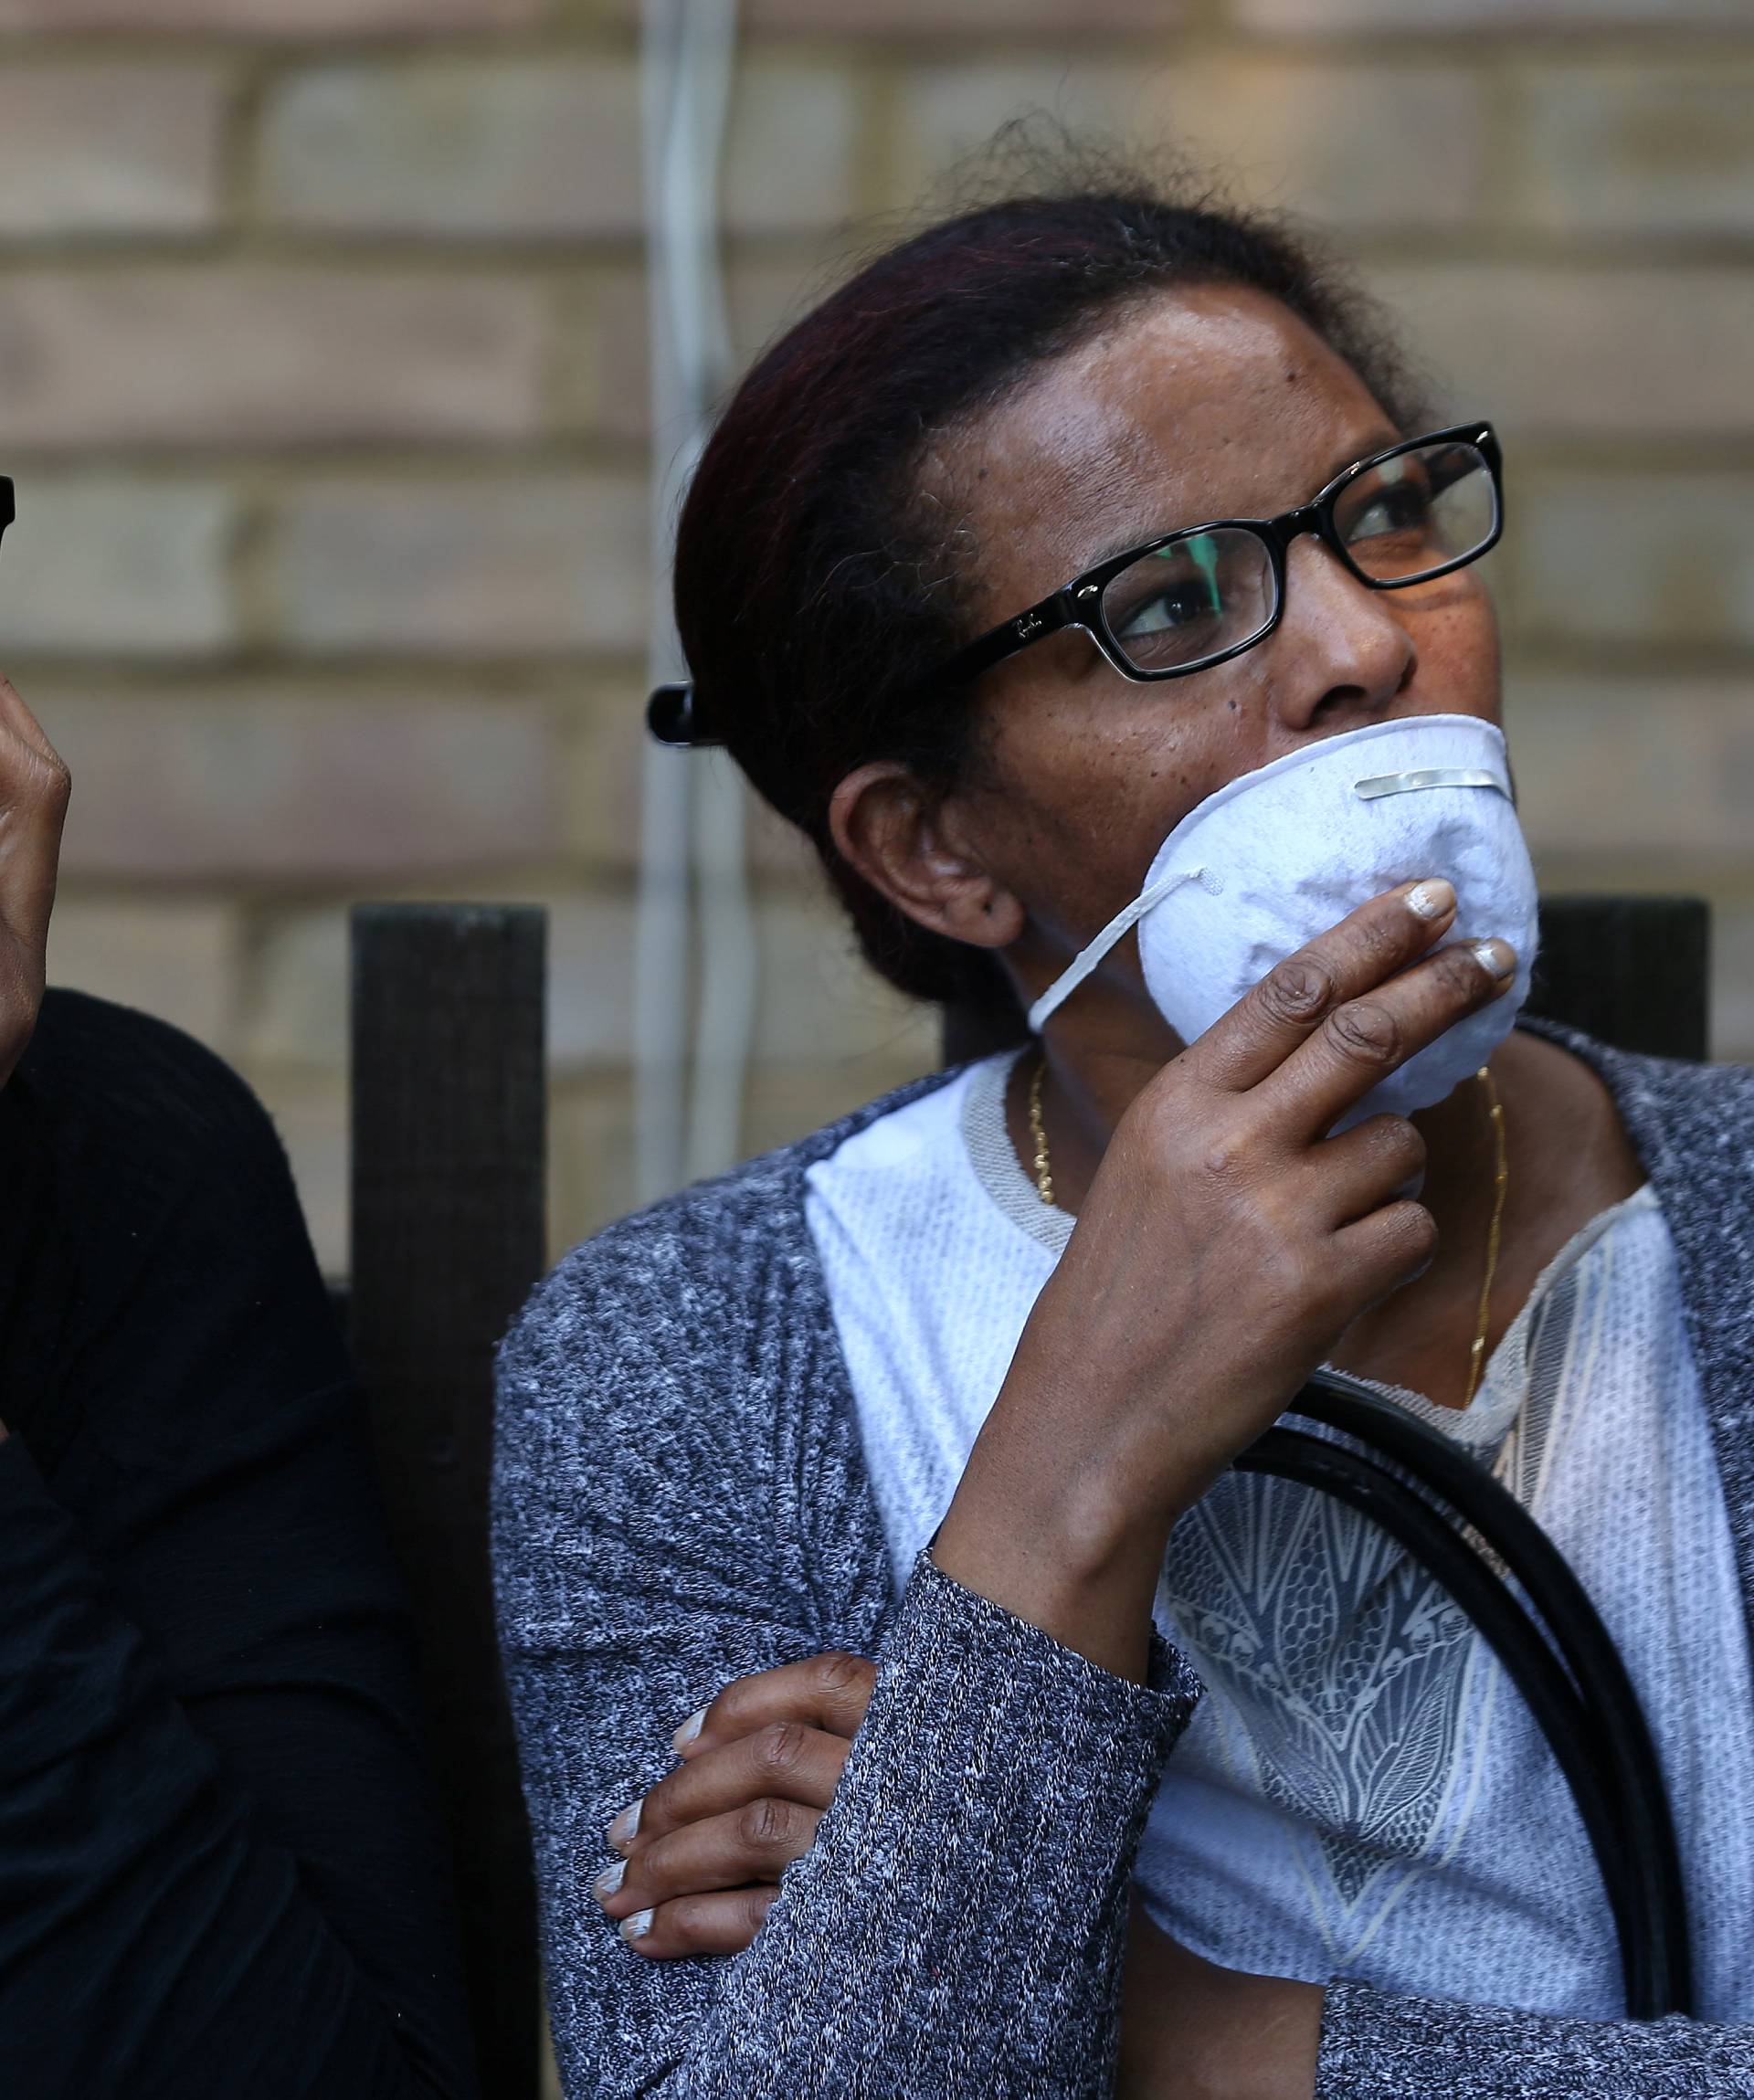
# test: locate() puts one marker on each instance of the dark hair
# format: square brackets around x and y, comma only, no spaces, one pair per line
[812,595]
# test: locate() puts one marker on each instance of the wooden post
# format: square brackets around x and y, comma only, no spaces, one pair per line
[448,1239]
[1634,972]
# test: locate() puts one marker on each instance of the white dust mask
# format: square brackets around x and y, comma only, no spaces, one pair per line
[1279,855]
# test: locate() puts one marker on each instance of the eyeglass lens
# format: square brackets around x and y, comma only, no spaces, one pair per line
[1213,590]
[1195,597]
[1416,513]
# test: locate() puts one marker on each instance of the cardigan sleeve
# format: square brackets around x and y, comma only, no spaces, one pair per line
[958,1924]
[1381,2046]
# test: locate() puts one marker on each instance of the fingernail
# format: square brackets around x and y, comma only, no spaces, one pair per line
[689,1729]
[1496,958]
[637,1926]
[609,1880]
[626,1826]
[1434,898]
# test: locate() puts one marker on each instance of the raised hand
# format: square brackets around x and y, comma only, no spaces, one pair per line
[34,788]
[1226,1244]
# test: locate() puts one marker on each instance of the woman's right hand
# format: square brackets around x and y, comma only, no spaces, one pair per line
[1225,1245]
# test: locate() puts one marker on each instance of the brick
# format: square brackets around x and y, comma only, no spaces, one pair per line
[1364,145]
[1640,149]
[604,744]
[1341,18]
[464,148]
[1606,557]
[590,981]
[966,19]
[540,150]
[505,568]
[606,388]
[591,1179]
[193,355]
[1635,771]
[175,957]
[99,566]
[269,17]
[310,1115]
[296,1006]
[819,1004]
[793,147]
[1584,350]
[276,783]
[110,149]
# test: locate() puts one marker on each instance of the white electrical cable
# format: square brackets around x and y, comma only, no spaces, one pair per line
[692,810]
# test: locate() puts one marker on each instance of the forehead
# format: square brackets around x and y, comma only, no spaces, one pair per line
[1206,402]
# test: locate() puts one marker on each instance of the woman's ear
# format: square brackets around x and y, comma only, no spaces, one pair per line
[912,848]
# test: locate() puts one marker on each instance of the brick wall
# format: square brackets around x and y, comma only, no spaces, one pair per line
[321,377]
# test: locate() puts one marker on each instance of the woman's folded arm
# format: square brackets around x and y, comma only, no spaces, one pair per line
[1377,2046]
[958,1924]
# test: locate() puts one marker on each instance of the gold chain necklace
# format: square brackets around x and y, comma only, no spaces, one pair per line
[1500,1184]
[1495,1231]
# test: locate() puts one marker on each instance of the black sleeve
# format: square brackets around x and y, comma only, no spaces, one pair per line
[219,1870]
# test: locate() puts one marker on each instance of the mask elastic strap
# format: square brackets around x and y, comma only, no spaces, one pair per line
[1087,957]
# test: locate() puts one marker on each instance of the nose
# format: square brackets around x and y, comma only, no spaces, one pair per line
[1344,653]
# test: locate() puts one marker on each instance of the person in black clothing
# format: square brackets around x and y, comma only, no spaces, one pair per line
[220,1870]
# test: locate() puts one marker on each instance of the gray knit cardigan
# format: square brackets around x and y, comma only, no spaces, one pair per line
[681,1497]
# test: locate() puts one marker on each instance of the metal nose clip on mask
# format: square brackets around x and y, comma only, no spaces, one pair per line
[1278,856]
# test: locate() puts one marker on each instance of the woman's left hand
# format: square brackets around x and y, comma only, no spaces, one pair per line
[701,1862]
[702,1853]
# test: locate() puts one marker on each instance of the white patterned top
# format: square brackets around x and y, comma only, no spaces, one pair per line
[1361,1791]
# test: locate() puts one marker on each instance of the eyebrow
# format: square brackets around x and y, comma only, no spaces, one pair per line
[1385,437]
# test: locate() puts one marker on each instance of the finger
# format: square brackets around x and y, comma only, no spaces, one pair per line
[721,1923]
[829,1692]
[17,717]
[34,789]
[1363,1169]
[1387,1249]
[1367,948]
[752,1843]
[784,1761]
[1361,1042]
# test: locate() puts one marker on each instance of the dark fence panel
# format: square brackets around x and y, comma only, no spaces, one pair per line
[448,1237]
[1631,971]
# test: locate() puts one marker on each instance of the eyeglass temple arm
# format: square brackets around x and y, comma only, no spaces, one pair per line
[1046,618]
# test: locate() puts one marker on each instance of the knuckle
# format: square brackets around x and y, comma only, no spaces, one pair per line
[1220,1162]
[1365,1032]
[779,1746]
[656,1810]
[1416,1233]
[1398,1140]
[767,1825]
[839,1670]
[687,1922]
[1461,973]
[1300,990]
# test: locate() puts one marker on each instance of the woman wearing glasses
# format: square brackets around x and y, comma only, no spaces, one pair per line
[1086,582]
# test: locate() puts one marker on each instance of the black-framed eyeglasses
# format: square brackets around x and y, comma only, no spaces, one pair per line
[1195,597]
